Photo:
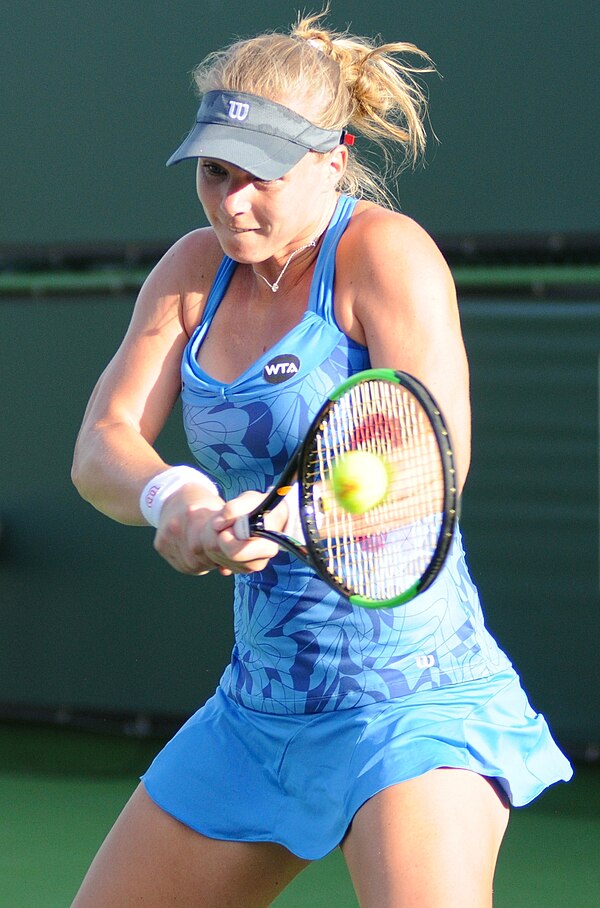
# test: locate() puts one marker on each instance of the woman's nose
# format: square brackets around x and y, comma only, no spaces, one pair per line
[237,198]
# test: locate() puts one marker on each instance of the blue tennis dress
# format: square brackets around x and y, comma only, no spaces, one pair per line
[324,704]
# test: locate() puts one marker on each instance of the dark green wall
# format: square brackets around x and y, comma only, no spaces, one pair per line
[94,96]
[92,619]
[532,508]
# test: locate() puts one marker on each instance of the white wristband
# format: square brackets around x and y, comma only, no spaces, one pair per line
[163,485]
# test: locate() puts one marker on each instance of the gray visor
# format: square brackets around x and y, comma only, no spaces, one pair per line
[260,136]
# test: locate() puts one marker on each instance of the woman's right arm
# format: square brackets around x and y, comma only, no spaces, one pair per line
[114,454]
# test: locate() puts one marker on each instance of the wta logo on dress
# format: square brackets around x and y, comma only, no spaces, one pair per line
[238,110]
[281,368]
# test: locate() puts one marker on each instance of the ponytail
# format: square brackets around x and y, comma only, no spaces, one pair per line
[337,81]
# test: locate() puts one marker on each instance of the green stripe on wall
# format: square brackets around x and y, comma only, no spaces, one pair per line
[119,280]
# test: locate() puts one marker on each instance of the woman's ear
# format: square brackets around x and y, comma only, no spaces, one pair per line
[337,163]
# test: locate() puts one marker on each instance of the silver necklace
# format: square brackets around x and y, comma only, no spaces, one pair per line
[275,287]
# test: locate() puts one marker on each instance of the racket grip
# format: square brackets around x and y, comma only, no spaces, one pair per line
[241,528]
[293,524]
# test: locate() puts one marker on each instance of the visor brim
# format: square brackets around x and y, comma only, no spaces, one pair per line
[264,156]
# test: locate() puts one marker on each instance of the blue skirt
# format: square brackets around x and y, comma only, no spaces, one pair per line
[236,774]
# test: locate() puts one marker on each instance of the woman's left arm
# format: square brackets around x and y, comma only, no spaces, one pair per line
[396,295]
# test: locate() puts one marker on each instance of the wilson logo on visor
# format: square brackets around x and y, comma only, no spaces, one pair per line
[238,110]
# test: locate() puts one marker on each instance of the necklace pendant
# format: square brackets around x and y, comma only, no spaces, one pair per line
[275,287]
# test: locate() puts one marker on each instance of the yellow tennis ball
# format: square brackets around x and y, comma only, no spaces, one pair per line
[359,481]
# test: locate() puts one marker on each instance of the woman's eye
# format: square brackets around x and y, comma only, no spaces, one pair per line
[212,169]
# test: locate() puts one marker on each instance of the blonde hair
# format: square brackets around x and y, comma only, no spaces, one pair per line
[336,80]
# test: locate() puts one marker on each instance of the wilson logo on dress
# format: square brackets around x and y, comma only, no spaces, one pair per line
[425,660]
[281,368]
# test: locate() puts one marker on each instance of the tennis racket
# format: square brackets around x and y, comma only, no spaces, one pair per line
[393,551]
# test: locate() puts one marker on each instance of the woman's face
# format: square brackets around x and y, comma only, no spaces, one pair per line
[257,219]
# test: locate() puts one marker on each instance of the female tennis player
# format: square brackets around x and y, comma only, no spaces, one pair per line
[400,735]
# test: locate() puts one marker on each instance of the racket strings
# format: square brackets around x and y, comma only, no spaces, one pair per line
[381,553]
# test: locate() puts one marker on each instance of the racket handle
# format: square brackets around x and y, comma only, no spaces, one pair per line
[241,528]
[293,525]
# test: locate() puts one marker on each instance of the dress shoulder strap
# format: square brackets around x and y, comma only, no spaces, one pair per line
[321,292]
[219,285]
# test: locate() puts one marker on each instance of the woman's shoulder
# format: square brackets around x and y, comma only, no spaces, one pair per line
[186,271]
[372,224]
[379,239]
[193,256]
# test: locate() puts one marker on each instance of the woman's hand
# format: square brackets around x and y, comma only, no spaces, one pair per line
[196,533]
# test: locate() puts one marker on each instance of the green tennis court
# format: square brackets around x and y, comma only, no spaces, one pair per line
[61,789]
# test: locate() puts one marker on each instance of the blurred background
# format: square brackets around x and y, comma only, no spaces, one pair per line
[99,637]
